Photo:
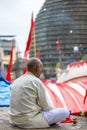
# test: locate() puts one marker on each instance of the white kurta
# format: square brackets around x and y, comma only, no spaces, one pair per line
[28,99]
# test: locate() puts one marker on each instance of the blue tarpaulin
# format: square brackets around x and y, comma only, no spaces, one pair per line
[4,92]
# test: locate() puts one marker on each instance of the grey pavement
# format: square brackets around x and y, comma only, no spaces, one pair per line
[5,124]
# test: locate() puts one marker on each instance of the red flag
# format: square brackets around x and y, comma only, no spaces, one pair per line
[24,70]
[8,76]
[39,53]
[58,44]
[29,41]
[85,97]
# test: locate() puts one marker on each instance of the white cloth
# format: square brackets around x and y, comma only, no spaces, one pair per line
[56,115]
[27,101]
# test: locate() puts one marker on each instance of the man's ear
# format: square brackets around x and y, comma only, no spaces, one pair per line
[37,69]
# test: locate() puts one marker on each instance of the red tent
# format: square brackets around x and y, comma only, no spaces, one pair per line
[68,95]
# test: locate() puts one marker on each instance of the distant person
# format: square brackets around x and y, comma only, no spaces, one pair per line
[30,106]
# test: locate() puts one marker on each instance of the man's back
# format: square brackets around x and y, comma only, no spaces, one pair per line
[24,95]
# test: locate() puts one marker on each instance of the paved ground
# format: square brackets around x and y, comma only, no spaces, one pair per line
[5,125]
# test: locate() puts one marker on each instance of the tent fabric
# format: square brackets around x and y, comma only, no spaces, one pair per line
[74,70]
[68,95]
[4,92]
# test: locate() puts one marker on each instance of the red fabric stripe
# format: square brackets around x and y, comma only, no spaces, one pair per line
[72,98]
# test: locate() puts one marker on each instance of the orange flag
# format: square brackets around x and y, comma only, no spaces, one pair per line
[29,41]
[8,76]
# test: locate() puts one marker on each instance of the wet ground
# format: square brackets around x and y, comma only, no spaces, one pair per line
[5,125]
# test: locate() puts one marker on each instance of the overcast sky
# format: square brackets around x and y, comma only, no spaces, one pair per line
[15,17]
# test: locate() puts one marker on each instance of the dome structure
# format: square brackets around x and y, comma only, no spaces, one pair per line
[64,21]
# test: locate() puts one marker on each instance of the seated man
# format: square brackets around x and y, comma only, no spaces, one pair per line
[30,106]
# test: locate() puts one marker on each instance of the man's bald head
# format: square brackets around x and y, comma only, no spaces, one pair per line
[35,66]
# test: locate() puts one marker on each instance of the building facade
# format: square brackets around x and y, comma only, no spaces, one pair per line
[61,33]
[5,48]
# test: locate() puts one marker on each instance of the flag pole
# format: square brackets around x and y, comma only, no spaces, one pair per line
[34,42]
[60,60]
[58,47]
